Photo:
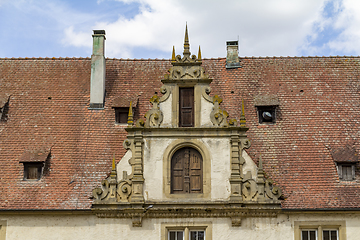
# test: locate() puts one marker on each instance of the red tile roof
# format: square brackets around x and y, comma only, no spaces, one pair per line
[48,108]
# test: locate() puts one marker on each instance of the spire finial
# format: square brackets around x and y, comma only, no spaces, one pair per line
[260,163]
[186,43]
[199,54]
[130,120]
[242,117]
[113,162]
[173,55]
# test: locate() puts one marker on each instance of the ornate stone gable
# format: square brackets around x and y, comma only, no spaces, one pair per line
[155,185]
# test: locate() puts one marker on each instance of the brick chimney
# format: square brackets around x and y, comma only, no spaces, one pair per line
[232,57]
[97,82]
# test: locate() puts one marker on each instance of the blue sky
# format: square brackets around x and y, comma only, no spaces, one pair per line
[149,28]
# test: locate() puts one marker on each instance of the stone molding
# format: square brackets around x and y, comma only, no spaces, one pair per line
[236,212]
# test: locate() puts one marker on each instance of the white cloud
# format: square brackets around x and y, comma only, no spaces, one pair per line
[348,22]
[265,27]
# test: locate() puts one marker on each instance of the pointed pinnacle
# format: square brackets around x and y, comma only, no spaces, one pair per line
[260,162]
[173,55]
[130,121]
[186,43]
[199,54]
[242,117]
[113,162]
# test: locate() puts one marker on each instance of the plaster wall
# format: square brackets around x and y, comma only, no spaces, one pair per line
[166,108]
[56,227]
[206,108]
[219,149]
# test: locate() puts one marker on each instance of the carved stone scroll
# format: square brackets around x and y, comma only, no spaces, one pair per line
[154,116]
[165,90]
[272,191]
[205,93]
[101,193]
[218,116]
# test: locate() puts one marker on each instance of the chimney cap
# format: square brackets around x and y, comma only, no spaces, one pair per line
[102,32]
[232,43]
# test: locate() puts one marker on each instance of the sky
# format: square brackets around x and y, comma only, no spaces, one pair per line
[150,28]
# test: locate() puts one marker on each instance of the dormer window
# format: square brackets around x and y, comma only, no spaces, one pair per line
[186,106]
[4,107]
[345,158]
[266,107]
[33,170]
[34,162]
[121,105]
[121,115]
[346,171]
[267,114]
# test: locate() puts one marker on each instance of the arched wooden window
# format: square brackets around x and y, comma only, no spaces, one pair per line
[187,171]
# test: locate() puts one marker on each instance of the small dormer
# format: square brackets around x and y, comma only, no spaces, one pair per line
[34,162]
[4,106]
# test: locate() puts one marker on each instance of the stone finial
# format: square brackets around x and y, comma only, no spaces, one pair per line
[242,117]
[173,55]
[186,43]
[130,120]
[113,169]
[260,169]
[199,54]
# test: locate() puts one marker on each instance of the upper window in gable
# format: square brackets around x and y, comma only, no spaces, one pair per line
[186,105]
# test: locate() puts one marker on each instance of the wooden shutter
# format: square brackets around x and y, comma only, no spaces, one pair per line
[186,171]
[186,104]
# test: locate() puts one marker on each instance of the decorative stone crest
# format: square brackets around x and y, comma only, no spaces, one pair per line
[187,67]
[218,116]
[154,116]
[261,190]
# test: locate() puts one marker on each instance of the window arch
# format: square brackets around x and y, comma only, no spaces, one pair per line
[186,171]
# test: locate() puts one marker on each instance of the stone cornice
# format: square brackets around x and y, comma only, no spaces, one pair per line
[182,131]
[235,211]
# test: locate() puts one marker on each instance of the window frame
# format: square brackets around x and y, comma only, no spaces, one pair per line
[340,165]
[206,178]
[187,228]
[40,170]
[3,225]
[262,109]
[180,117]
[320,226]
[187,179]
[118,111]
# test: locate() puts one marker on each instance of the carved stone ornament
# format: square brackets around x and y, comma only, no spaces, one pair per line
[186,68]
[206,90]
[261,190]
[154,116]
[165,90]
[218,116]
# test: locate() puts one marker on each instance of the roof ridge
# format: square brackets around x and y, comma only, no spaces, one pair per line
[281,57]
[45,58]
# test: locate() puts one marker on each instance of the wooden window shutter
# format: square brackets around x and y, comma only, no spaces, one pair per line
[187,171]
[186,105]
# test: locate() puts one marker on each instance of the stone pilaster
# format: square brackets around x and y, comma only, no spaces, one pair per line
[235,177]
[138,178]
